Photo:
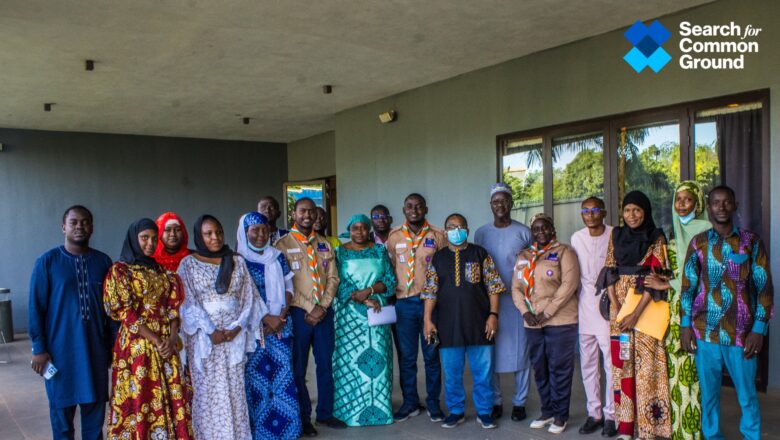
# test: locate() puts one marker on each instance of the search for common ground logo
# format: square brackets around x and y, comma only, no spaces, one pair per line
[703,53]
[647,50]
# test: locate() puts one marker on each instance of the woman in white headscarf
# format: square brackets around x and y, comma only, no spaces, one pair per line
[270,387]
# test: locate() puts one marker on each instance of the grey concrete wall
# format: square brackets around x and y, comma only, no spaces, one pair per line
[444,142]
[120,178]
[312,158]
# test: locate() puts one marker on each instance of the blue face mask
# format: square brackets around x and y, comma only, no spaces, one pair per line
[257,249]
[457,236]
[687,219]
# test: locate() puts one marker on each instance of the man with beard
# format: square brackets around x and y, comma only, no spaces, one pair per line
[70,331]
[726,302]
[411,247]
[504,238]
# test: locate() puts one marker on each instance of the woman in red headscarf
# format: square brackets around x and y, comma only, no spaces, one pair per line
[172,241]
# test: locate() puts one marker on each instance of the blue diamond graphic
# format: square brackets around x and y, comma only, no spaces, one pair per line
[636,59]
[636,32]
[658,32]
[658,60]
[647,46]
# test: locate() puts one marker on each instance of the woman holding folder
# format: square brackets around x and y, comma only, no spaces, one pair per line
[363,358]
[639,316]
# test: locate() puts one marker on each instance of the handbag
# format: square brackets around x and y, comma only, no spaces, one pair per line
[386,315]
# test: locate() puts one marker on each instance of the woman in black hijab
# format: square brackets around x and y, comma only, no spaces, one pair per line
[635,250]
[221,319]
[146,370]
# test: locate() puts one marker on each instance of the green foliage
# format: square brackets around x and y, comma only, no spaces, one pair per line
[581,178]
[528,191]
[707,166]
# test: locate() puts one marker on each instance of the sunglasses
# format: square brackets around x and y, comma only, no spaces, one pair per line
[379,216]
[594,210]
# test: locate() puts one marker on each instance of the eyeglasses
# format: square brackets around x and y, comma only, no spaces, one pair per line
[379,216]
[594,211]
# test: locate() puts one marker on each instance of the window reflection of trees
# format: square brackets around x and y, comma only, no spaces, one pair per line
[652,169]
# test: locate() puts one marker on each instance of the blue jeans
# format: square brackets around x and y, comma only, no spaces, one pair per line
[320,339]
[409,327]
[710,360]
[552,356]
[481,365]
[92,416]
[521,380]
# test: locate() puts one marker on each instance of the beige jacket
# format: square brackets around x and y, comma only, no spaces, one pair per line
[295,252]
[398,250]
[556,279]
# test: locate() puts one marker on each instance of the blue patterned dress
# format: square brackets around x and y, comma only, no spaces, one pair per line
[363,358]
[270,388]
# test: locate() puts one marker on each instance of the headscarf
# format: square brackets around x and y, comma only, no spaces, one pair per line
[357,218]
[226,265]
[166,260]
[269,258]
[131,249]
[683,234]
[630,245]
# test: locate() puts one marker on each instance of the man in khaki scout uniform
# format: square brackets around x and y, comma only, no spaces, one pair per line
[315,282]
[411,247]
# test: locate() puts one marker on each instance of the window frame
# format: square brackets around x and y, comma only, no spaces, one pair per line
[682,113]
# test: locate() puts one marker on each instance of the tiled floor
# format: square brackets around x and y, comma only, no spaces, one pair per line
[24,413]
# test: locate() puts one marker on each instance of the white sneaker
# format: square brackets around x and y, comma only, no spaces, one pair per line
[555,429]
[541,423]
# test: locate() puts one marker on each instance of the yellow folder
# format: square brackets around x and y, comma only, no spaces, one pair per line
[654,319]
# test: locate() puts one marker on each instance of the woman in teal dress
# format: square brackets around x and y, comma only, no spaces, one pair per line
[363,359]
[689,218]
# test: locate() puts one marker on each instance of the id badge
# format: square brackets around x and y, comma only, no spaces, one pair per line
[401,259]
[296,265]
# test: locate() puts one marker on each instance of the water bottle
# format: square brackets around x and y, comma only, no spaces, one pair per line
[625,346]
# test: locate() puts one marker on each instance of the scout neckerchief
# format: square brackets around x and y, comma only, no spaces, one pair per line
[413,243]
[528,272]
[317,287]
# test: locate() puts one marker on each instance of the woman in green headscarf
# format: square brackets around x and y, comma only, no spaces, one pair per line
[363,358]
[688,219]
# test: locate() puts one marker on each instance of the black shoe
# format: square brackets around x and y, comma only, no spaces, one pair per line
[405,413]
[308,430]
[333,423]
[518,413]
[591,425]
[498,411]
[609,429]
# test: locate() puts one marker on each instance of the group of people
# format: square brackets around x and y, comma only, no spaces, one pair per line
[214,343]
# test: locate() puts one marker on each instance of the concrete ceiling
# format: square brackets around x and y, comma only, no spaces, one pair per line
[195,68]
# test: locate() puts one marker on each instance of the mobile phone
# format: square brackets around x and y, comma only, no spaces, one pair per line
[49,371]
[433,339]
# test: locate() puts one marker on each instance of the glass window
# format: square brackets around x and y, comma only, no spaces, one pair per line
[522,171]
[294,191]
[578,173]
[706,151]
[649,161]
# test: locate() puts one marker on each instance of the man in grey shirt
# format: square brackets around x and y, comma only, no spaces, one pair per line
[504,238]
